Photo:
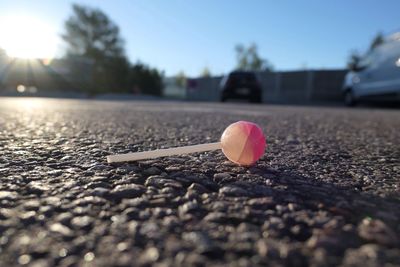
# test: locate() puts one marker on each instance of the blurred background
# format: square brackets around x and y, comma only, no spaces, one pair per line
[286,52]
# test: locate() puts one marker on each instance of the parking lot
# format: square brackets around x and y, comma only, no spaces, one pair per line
[325,193]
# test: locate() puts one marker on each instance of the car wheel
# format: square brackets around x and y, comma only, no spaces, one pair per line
[349,99]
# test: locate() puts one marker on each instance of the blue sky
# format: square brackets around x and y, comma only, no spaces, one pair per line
[183,35]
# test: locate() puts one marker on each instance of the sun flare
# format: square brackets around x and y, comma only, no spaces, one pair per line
[27,37]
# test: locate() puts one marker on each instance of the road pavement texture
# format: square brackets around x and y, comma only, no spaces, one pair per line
[326,192]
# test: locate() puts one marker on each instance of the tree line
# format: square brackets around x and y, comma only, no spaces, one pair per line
[91,34]
[355,56]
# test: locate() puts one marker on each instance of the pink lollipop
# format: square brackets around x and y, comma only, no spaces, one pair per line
[242,142]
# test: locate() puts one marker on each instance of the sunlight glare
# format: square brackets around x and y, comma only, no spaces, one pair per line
[27,37]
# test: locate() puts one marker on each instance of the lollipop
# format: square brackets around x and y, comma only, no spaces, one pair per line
[242,142]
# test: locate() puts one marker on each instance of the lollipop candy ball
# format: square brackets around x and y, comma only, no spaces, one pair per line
[243,142]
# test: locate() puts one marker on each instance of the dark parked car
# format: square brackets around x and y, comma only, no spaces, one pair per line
[241,85]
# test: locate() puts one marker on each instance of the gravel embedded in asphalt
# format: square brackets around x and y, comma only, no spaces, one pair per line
[326,192]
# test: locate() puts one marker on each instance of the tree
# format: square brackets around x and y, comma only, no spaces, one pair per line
[249,59]
[90,33]
[255,61]
[376,41]
[355,56]
[241,57]
[180,79]
[353,60]
[206,73]
[143,79]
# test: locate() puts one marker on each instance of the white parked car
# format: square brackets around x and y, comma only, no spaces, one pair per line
[377,76]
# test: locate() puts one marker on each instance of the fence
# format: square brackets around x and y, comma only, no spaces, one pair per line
[280,87]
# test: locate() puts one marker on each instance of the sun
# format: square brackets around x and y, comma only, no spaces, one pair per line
[27,37]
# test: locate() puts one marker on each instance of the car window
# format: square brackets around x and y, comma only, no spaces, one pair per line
[243,76]
[368,60]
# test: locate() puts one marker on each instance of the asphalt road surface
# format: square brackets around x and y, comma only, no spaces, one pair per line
[325,193]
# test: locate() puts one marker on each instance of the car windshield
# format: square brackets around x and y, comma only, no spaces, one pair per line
[243,76]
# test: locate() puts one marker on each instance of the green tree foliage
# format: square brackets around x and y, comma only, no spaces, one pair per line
[91,34]
[355,57]
[241,57]
[206,73]
[353,60]
[249,59]
[376,41]
[143,79]
[180,79]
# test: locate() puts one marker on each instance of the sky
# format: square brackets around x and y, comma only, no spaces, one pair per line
[178,35]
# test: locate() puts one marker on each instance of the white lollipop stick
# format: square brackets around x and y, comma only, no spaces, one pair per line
[163,152]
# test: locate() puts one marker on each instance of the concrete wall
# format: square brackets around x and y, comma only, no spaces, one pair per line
[172,90]
[327,85]
[203,89]
[280,87]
